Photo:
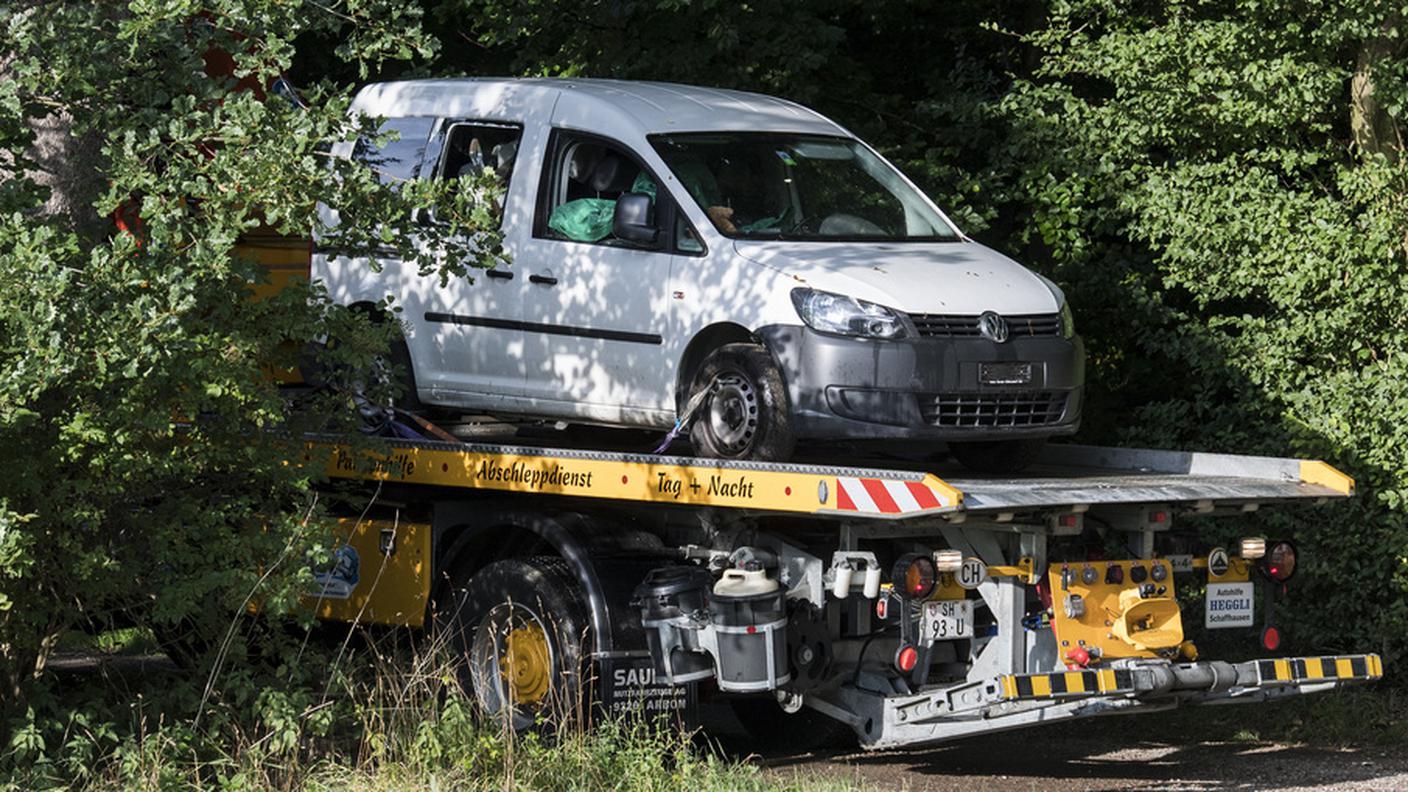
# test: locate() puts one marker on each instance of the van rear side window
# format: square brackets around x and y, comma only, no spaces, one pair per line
[399,158]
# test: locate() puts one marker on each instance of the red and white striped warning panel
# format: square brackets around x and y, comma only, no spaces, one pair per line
[889,496]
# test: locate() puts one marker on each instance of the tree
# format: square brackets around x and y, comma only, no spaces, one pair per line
[1219,187]
[146,447]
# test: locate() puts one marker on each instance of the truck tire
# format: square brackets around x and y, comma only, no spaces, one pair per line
[796,732]
[745,414]
[520,630]
[997,456]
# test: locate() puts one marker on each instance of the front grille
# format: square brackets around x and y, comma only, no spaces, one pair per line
[992,410]
[954,326]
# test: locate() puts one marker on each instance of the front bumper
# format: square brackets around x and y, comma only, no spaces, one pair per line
[926,388]
[1127,686]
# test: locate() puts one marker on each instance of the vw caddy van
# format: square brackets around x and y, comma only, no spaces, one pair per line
[726,258]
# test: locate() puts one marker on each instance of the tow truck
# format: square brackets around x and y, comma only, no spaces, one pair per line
[909,601]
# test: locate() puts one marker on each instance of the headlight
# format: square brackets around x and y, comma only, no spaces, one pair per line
[837,313]
[1068,322]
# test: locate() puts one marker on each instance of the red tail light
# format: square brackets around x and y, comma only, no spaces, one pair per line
[1280,562]
[1271,639]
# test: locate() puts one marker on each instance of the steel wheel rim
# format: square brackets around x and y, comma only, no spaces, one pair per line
[733,412]
[493,656]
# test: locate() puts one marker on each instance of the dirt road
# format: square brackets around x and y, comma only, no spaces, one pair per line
[1138,753]
[1075,763]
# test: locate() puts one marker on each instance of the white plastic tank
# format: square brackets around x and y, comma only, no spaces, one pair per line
[745,583]
[748,612]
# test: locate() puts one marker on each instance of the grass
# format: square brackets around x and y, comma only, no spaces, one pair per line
[125,641]
[372,717]
[611,757]
[377,717]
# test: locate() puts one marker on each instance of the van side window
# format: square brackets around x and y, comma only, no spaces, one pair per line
[582,180]
[472,148]
[686,238]
[398,160]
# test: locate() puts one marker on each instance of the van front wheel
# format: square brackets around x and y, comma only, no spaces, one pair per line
[743,411]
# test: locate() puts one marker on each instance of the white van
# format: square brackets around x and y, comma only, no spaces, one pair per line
[676,247]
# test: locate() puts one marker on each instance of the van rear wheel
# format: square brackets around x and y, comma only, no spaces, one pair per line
[382,378]
[743,411]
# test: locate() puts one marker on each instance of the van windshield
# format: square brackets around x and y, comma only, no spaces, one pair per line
[799,187]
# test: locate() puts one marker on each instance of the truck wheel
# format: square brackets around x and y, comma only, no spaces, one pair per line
[745,414]
[520,627]
[796,732]
[997,456]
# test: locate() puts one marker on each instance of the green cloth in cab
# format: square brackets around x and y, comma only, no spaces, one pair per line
[584,220]
[644,184]
[590,219]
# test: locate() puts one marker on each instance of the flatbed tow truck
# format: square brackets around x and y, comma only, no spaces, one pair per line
[910,602]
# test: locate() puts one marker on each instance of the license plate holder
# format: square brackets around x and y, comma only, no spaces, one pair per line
[1005,373]
[945,620]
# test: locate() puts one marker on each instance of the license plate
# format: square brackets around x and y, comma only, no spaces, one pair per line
[1005,373]
[946,620]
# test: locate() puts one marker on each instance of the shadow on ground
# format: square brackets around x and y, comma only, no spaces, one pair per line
[1183,750]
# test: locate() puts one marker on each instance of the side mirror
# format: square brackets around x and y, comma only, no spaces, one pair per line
[632,221]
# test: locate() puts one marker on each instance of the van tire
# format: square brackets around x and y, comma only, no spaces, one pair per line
[395,363]
[538,594]
[400,356]
[997,456]
[746,414]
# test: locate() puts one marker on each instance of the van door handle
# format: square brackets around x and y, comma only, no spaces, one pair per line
[546,280]
[499,274]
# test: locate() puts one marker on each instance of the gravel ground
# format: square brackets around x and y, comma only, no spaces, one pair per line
[1141,753]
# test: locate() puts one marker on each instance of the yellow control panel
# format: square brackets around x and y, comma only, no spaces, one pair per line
[379,575]
[1110,609]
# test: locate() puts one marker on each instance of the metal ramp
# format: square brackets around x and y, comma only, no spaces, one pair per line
[1067,477]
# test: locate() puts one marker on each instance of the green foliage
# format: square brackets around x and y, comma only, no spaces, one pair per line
[1188,171]
[1239,267]
[146,447]
[373,716]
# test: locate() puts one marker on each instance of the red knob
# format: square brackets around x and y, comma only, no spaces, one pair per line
[1079,656]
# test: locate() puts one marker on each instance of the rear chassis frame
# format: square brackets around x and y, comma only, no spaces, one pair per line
[615,516]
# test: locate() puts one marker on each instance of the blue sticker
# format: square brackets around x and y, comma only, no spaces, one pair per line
[783,155]
[340,581]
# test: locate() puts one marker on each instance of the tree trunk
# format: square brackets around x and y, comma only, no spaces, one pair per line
[1375,131]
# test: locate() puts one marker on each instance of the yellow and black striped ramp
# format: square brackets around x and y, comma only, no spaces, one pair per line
[1105,681]
[1294,670]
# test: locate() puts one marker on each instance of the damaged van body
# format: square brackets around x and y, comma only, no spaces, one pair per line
[727,259]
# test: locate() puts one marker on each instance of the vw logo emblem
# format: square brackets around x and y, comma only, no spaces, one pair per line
[992,327]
